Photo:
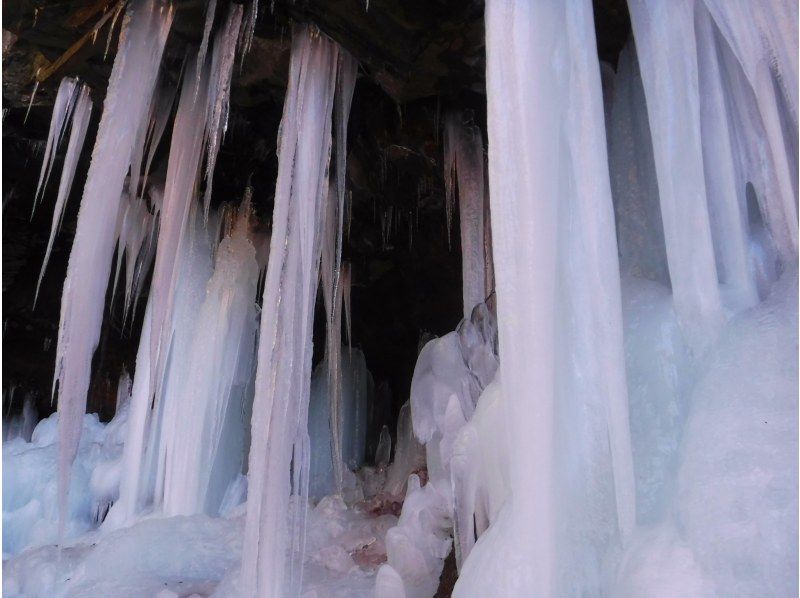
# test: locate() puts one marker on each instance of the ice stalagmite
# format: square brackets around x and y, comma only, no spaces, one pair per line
[556,279]
[667,56]
[463,157]
[132,81]
[81,115]
[279,452]
[726,202]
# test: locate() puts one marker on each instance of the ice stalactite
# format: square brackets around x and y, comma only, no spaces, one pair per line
[555,262]
[279,453]
[666,48]
[130,87]
[134,234]
[211,11]
[62,111]
[208,446]
[727,204]
[219,91]
[463,165]
[331,264]
[183,172]
[81,115]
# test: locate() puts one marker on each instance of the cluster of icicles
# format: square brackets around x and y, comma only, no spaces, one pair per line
[720,80]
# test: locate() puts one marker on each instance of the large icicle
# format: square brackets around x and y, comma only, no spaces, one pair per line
[62,110]
[559,311]
[665,45]
[81,116]
[183,171]
[279,436]
[464,163]
[131,84]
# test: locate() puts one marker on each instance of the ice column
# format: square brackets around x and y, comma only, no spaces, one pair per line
[130,87]
[279,453]
[725,205]
[559,315]
[664,33]
[463,163]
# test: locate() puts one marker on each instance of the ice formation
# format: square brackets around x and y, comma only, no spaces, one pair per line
[619,418]
[280,410]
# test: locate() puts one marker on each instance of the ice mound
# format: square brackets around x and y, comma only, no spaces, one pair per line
[732,530]
[30,498]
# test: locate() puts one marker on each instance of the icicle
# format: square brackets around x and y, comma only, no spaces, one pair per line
[211,9]
[464,164]
[30,102]
[131,85]
[80,123]
[183,169]
[284,360]
[667,57]
[219,89]
[248,29]
[117,12]
[62,110]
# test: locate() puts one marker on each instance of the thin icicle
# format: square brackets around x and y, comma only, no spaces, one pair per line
[219,91]
[62,110]
[80,123]
[464,165]
[247,30]
[132,81]
[30,102]
[211,9]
